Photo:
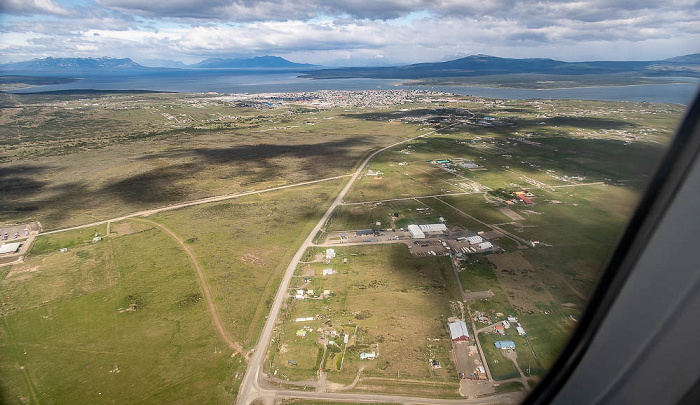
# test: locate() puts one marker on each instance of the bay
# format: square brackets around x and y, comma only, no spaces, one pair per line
[287,81]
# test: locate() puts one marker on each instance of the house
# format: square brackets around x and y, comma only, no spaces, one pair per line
[326,293]
[505,344]
[301,333]
[506,324]
[500,329]
[368,356]
[520,330]
[458,331]
[512,319]
[330,253]
[327,272]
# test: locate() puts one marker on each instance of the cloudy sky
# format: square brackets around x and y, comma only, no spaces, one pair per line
[349,32]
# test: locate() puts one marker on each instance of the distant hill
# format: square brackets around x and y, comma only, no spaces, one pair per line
[484,65]
[72,65]
[163,63]
[692,58]
[256,62]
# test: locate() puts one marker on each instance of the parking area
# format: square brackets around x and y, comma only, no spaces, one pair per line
[17,232]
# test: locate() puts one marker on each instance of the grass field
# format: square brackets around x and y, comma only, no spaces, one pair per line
[244,246]
[116,154]
[115,322]
[399,304]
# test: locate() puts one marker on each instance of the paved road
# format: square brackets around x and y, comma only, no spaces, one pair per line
[191,203]
[510,398]
[249,389]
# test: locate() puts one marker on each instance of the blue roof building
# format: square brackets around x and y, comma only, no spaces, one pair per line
[505,344]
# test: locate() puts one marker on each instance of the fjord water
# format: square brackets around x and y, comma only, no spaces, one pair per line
[287,81]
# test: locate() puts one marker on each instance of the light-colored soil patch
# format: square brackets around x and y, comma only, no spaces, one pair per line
[474,388]
[492,235]
[510,213]
[128,227]
[254,258]
[477,295]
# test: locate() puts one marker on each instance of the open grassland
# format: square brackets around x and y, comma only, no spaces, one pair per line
[118,321]
[399,305]
[244,246]
[116,154]
[524,144]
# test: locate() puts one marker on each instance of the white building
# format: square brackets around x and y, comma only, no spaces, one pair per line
[330,253]
[9,248]
[458,331]
[416,232]
[520,330]
[433,228]
[368,356]
[327,272]
[473,240]
[485,245]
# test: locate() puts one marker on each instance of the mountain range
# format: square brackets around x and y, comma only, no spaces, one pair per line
[106,64]
[485,65]
[470,66]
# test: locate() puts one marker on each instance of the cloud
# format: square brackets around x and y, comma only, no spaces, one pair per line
[349,31]
[31,7]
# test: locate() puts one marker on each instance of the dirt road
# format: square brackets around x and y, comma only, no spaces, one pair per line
[213,313]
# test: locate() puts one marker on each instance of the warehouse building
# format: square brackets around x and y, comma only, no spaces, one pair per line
[458,331]
[473,240]
[433,228]
[485,245]
[9,248]
[416,232]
